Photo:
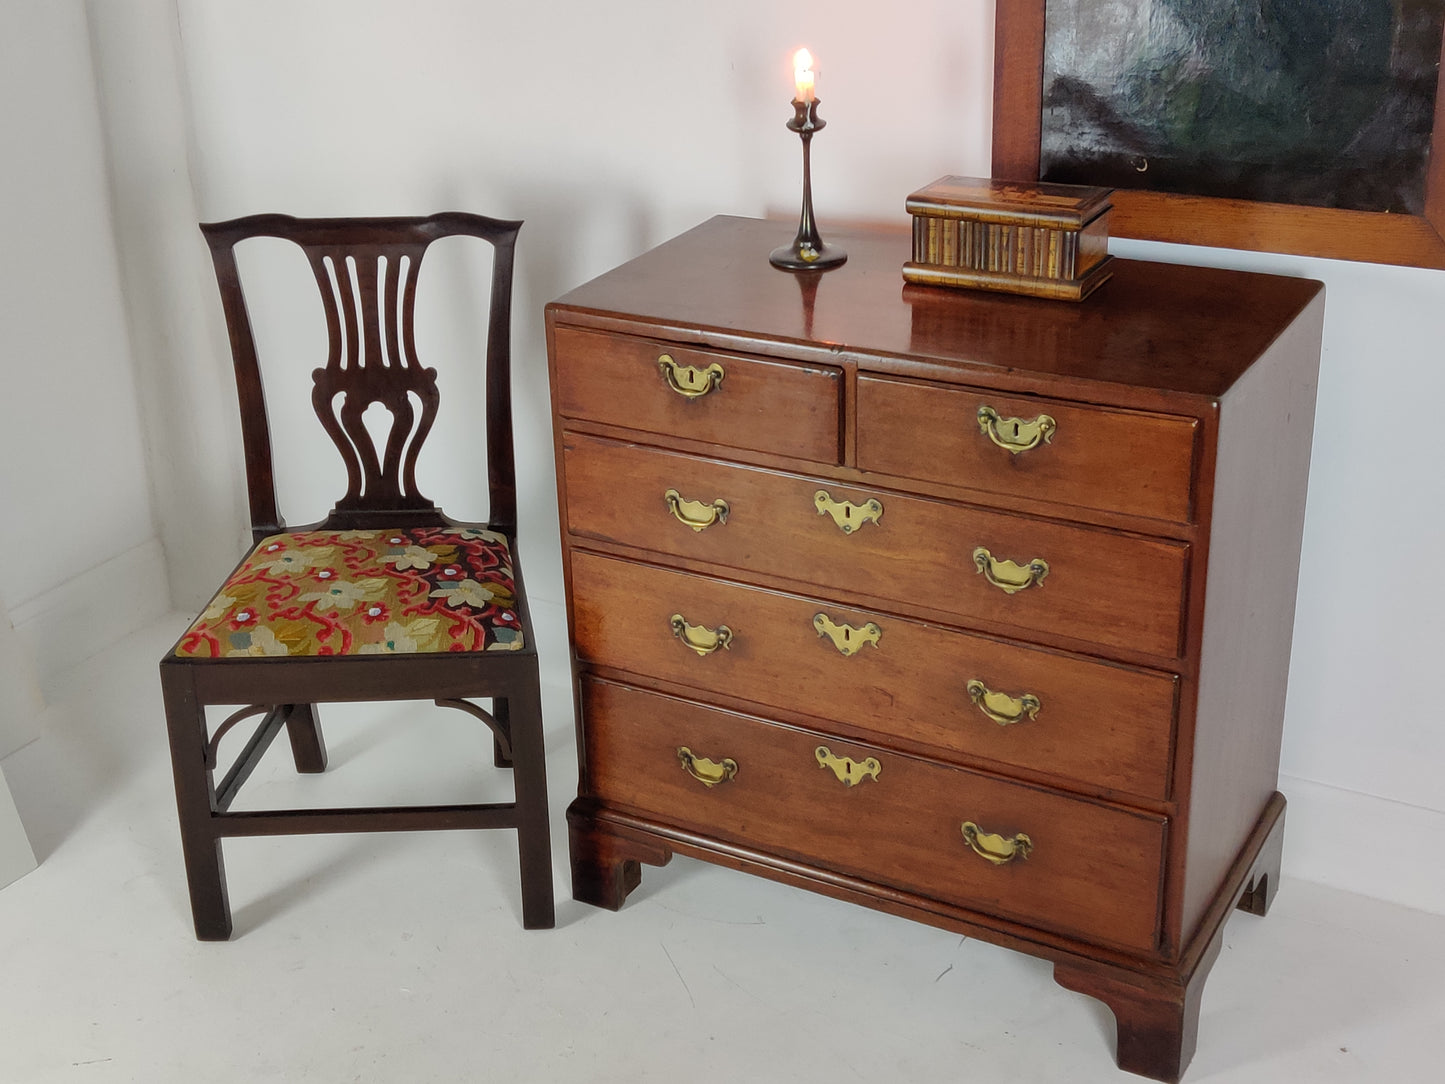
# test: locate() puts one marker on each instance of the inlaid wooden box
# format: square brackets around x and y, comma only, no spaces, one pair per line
[1043,240]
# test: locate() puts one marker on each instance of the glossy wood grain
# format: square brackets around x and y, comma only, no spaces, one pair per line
[790,410]
[1153,327]
[1266,430]
[1121,461]
[1167,508]
[1102,587]
[1092,869]
[1098,726]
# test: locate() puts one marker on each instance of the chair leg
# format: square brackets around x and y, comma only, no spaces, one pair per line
[534,839]
[502,712]
[195,802]
[308,747]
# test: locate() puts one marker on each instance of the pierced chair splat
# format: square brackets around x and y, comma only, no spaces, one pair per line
[386,598]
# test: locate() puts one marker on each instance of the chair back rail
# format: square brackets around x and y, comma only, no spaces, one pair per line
[366,272]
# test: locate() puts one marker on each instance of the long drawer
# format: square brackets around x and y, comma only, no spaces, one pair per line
[1087,722]
[1091,457]
[657,387]
[966,838]
[1099,586]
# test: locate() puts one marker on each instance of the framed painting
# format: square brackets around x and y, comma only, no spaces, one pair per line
[1299,126]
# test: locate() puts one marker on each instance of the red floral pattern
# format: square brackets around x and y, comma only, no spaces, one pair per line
[362,593]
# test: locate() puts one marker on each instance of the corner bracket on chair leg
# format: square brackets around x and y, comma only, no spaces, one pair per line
[498,721]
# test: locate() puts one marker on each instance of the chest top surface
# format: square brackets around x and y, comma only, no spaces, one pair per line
[1186,330]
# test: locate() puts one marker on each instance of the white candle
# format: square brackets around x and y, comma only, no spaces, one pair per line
[803,75]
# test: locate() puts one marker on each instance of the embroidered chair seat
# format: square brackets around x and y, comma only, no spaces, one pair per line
[397,591]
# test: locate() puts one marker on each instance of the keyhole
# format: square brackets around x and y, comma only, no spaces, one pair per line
[1015,427]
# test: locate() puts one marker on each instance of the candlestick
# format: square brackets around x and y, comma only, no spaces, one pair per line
[808,252]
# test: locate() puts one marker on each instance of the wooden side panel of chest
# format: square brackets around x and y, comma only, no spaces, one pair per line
[1246,605]
[833,549]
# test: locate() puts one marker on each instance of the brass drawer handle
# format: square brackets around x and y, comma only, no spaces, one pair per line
[1003,709]
[848,516]
[850,772]
[995,848]
[847,639]
[687,381]
[696,514]
[707,772]
[700,638]
[1007,576]
[1015,435]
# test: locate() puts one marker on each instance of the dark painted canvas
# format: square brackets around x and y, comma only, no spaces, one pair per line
[1327,103]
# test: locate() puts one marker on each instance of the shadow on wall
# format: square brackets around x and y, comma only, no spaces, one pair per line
[20,699]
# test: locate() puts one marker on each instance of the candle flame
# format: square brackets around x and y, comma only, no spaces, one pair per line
[803,75]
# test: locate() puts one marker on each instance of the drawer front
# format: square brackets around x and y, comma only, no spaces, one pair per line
[1103,587]
[1089,457]
[1089,870]
[657,387]
[1083,721]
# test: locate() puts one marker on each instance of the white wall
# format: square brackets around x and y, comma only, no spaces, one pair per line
[1368,630]
[611,127]
[79,563]
[20,708]
[608,128]
[186,395]
[1363,741]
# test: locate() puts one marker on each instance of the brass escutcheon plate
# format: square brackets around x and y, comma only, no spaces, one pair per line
[847,639]
[850,772]
[848,516]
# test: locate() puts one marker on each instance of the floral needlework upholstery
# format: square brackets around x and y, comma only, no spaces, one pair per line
[364,593]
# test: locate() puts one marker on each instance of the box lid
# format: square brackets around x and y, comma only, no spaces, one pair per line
[1021,203]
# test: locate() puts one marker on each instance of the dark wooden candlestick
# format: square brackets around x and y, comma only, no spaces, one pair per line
[808,252]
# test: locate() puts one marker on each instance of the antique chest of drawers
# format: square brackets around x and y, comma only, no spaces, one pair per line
[972,608]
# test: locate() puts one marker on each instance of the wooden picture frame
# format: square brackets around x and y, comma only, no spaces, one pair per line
[1367,236]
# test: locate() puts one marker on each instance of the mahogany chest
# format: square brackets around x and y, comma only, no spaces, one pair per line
[968,607]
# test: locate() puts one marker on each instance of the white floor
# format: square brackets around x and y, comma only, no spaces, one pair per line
[401,957]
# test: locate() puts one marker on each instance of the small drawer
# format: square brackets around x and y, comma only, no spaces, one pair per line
[658,387]
[1086,722]
[1089,457]
[1094,585]
[1036,856]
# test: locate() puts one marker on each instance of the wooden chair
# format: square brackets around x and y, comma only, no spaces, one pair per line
[385,599]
